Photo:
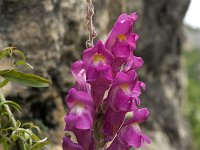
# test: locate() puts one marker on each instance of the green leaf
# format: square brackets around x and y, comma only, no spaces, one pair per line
[26,135]
[14,136]
[4,71]
[27,146]
[8,129]
[35,137]
[18,123]
[24,78]
[30,141]
[3,83]
[38,129]
[30,133]
[5,52]
[23,63]
[11,103]
[6,146]
[32,126]
[22,130]
[19,53]
[40,144]
[5,114]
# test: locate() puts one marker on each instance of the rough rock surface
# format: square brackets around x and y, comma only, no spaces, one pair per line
[53,33]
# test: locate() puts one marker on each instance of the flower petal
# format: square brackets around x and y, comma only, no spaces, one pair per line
[85,138]
[69,145]
[120,95]
[121,30]
[112,122]
[81,98]
[131,135]
[78,117]
[139,115]
[97,55]
[125,78]
[79,73]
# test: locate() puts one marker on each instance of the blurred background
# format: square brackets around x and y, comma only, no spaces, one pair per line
[52,34]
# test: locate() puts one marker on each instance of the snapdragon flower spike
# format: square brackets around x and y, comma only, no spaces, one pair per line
[106,91]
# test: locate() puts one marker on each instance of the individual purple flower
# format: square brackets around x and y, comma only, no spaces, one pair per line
[97,55]
[130,134]
[124,59]
[132,63]
[138,116]
[122,52]
[120,101]
[120,94]
[132,40]
[126,64]
[137,91]
[122,31]
[112,123]
[121,42]
[97,62]
[123,48]
[81,110]
[79,73]
[128,137]
[85,138]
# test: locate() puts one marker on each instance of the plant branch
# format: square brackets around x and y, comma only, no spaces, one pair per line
[12,119]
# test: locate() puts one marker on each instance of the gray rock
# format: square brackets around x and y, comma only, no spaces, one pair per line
[53,33]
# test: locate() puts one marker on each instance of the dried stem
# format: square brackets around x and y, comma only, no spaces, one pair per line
[90,26]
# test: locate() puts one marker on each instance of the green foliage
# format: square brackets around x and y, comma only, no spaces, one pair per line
[193,105]
[26,136]
[11,104]
[14,134]
[3,83]
[20,77]
[24,78]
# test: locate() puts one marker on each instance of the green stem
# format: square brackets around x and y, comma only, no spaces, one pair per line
[13,121]
[11,117]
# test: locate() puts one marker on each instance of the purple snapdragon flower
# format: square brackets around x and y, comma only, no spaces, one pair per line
[106,93]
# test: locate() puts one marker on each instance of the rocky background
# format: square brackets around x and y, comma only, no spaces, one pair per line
[53,33]
[192,38]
